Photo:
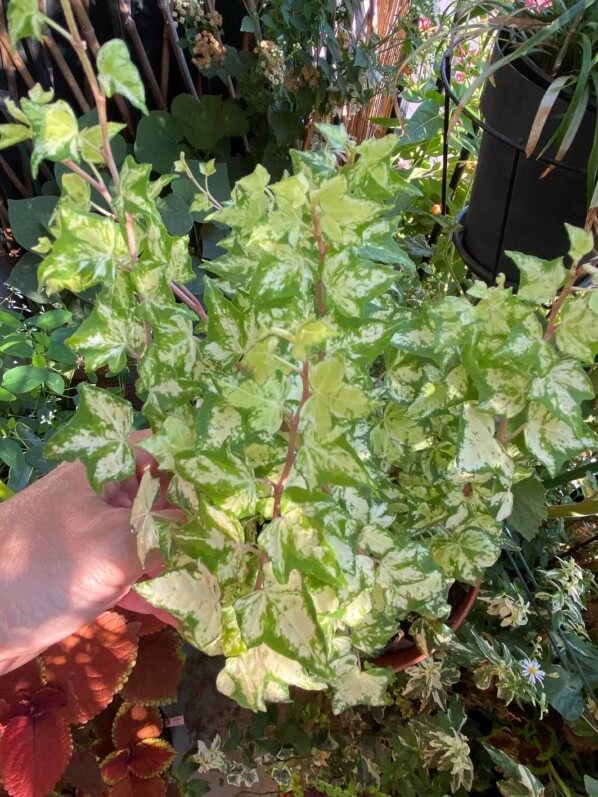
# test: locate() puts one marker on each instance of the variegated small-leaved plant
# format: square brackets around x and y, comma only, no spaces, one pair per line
[340,458]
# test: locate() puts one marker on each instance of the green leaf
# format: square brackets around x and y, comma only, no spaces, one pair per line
[411,579]
[11,134]
[52,319]
[563,389]
[97,435]
[591,785]
[11,453]
[335,135]
[576,333]
[355,686]
[17,345]
[553,440]
[23,378]
[199,120]
[324,459]
[30,218]
[478,450]
[24,20]
[540,279]
[55,382]
[226,335]
[23,278]
[261,675]
[91,141]
[464,554]
[111,330]
[193,598]
[224,478]
[565,693]
[85,253]
[529,507]
[331,396]
[119,75]
[264,403]
[55,132]
[143,524]
[158,141]
[520,781]
[351,282]
[582,242]
[175,214]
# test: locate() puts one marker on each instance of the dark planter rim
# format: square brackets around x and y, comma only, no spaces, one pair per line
[411,655]
[543,81]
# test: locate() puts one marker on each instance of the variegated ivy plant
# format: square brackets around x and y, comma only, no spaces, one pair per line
[340,459]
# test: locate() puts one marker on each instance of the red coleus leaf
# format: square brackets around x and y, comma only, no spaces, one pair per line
[150,758]
[155,678]
[134,724]
[36,745]
[83,773]
[132,786]
[92,664]
[22,682]
[115,766]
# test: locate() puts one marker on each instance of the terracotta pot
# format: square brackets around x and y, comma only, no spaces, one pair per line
[409,655]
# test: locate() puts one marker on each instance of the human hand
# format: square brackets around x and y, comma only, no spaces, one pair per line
[66,555]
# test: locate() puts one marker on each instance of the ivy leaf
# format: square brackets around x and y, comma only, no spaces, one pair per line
[264,403]
[478,450]
[582,242]
[576,333]
[35,747]
[24,20]
[332,396]
[157,672]
[142,522]
[563,389]
[226,335]
[529,507]
[351,282]
[355,686]
[261,675]
[91,142]
[193,597]
[223,477]
[55,132]
[98,436]
[92,664]
[85,253]
[540,280]
[465,554]
[119,75]
[329,459]
[411,579]
[11,134]
[553,440]
[111,330]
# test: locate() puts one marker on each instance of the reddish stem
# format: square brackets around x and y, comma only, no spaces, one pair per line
[559,301]
[322,251]
[292,444]
[189,299]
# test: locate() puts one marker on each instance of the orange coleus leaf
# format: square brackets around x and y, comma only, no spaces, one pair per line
[150,757]
[92,664]
[22,682]
[155,678]
[134,724]
[132,786]
[36,744]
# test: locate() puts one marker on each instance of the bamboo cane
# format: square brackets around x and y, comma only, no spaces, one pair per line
[165,65]
[131,30]
[179,56]
[65,69]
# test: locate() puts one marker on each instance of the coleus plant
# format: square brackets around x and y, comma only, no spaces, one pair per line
[341,458]
[44,703]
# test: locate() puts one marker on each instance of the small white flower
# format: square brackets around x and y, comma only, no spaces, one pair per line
[532,671]
[210,758]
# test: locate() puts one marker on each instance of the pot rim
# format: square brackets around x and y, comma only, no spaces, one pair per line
[410,656]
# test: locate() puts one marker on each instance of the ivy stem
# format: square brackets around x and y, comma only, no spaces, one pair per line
[501,433]
[98,95]
[322,250]
[100,187]
[292,444]
[514,434]
[58,28]
[560,300]
[189,299]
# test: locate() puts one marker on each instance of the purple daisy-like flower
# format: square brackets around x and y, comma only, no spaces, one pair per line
[532,670]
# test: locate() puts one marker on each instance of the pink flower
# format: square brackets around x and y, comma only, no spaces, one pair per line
[424,24]
[459,76]
[538,5]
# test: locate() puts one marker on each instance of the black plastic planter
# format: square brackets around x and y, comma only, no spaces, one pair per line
[512,207]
